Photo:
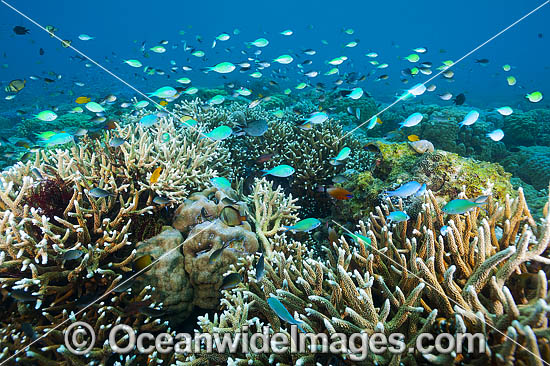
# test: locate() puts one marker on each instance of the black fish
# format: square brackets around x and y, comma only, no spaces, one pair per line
[23,296]
[152,312]
[231,281]
[20,30]
[460,99]
[29,331]
[482,61]
[41,52]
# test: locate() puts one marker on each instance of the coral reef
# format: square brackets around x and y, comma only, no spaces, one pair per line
[77,225]
[199,217]
[308,151]
[444,173]
[64,244]
[441,127]
[527,128]
[531,164]
[409,279]
[271,210]
[175,294]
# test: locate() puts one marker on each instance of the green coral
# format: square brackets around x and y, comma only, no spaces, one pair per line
[446,174]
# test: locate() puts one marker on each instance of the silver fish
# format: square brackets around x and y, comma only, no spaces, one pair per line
[100,193]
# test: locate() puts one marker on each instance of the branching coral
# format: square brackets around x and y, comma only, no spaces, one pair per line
[60,257]
[271,209]
[402,282]
[308,151]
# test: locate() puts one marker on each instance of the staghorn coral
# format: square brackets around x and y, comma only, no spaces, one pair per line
[271,209]
[66,255]
[308,151]
[409,280]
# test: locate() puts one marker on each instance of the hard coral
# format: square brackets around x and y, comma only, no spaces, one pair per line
[168,276]
[406,281]
[198,218]
[83,251]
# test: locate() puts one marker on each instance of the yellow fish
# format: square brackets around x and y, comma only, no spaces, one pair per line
[82,100]
[156,175]
[142,262]
[163,103]
[413,138]
[185,118]
[15,86]
[66,43]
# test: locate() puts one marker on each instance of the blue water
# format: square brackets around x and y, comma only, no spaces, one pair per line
[391,29]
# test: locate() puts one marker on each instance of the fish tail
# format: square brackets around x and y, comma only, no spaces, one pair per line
[287,228]
[265,173]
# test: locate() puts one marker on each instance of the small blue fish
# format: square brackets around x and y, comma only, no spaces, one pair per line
[220,133]
[361,239]
[444,230]
[343,154]
[283,313]
[59,139]
[412,120]
[148,120]
[281,171]
[406,190]
[398,216]
[459,206]
[221,183]
[304,225]
[317,118]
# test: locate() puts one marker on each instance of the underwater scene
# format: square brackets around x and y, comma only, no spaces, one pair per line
[274,183]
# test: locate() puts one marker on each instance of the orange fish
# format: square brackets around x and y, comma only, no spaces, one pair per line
[413,138]
[82,100]
[109,125]
[156,175]
[264,158]
[22,144]
[339,193]
[163,103]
